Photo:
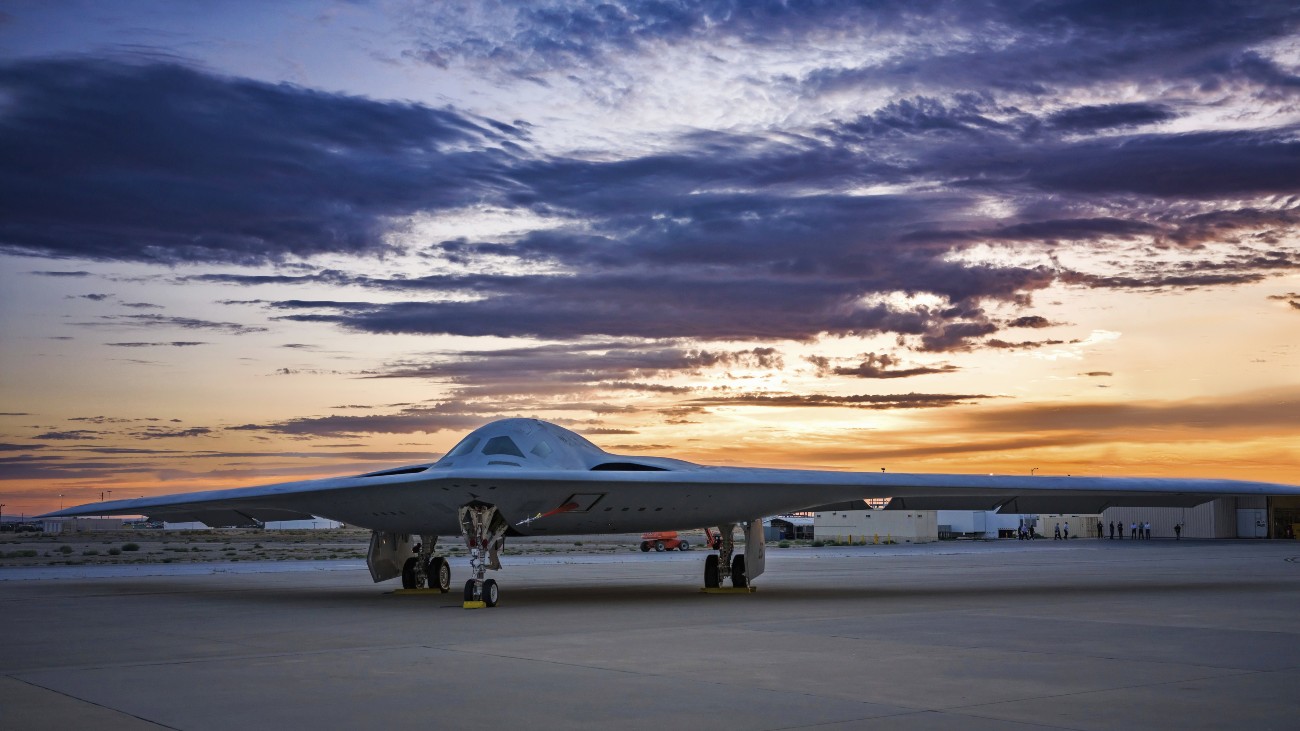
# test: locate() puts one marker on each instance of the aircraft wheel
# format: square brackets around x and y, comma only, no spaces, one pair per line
[711,571]
[490,592]
[469,591]
[645,546]
[408,574]
[738,578]
[683,546]
[439,572]
[659,545]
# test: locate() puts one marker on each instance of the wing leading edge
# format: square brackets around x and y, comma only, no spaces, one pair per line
[530,468]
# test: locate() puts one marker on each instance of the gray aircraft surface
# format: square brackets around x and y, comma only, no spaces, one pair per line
[522,477]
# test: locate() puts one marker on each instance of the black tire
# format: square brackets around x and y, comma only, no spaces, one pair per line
[439,574]
[490,592]
[711,571]
[645,546]
[469,590]
[408,574]
[683,546]
[738,578]
[659,546]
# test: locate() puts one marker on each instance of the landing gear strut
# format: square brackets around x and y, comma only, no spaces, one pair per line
[724,565]
[484,529]
[425,569]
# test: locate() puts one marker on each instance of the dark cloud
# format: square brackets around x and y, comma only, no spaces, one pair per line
[69,435]
[33,467]
[185,323]
[1097,374]
[173,344]
[1199,165]
[883,365]
[104,419]
[877,402]
[1033,48]
[1252,66]
[1107,116]
[161,432]
[60,274]
[1034,321]
[165,163]
[1013,44]
[1022,345]
[408,421]
[1291,298]
[500,381]
[679,302]
[6,447]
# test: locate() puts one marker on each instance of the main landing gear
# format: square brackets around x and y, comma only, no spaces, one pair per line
[721,566]
[425,569]
[741,568]
[484,530]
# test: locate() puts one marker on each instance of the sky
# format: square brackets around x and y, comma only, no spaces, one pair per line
[246,242]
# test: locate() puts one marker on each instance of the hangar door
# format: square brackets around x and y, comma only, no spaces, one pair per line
[1252,523]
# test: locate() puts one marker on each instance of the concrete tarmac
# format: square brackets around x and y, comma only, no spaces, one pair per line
[1000,635]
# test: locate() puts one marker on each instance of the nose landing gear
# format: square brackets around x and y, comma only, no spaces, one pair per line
[484,529]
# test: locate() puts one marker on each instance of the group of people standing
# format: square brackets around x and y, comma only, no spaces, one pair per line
[1136,531]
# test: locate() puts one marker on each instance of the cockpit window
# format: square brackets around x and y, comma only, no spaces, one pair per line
[465,447]
[542,450]
[502,445]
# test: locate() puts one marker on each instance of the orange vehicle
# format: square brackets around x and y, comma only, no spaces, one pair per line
[668,541]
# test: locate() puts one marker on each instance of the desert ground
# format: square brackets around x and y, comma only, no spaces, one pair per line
[151,546]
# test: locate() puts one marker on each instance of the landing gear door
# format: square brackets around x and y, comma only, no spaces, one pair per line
[755,548]
[388,551]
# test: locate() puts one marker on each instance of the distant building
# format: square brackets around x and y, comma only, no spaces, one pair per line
[1228,517]
[80,525]
[851,523]
[789,528]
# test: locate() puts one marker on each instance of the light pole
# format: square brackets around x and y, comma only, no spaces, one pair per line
[2,512]
[1031,472]
[60,501]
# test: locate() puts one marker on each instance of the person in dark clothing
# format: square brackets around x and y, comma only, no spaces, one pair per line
[1100,533]
[1178,531]
[1112,530]
[1056,532]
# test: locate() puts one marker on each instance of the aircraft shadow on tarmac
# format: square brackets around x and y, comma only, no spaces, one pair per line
[670,597]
